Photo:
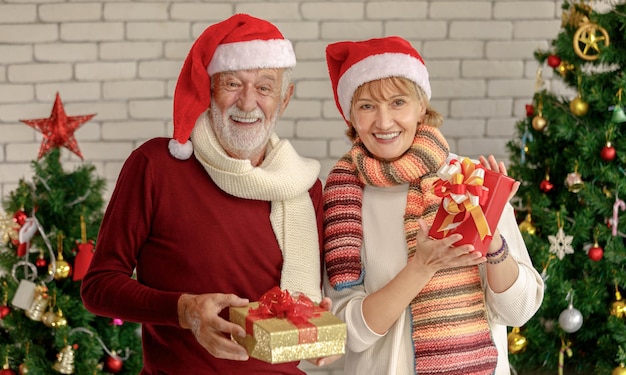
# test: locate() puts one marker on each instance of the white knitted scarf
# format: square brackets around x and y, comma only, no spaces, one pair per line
[283,178]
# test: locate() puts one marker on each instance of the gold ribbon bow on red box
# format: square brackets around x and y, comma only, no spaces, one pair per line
[462,190]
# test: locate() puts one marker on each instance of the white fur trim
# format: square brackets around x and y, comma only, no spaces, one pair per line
[254,54]
[181,151]
[376,67]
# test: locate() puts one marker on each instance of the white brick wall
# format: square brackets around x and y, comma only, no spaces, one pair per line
[120,59]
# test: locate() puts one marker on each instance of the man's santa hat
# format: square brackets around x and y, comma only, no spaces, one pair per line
[351,64]
[240,42]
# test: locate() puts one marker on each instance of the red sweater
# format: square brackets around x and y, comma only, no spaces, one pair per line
[168,220]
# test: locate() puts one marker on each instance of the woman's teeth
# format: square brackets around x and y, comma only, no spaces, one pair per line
[387,135]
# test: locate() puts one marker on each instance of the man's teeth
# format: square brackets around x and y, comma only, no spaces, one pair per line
[245,119]
[387,135]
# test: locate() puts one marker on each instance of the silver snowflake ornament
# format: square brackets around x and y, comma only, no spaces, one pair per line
[561,244]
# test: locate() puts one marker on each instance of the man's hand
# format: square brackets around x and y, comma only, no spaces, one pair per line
[199,313]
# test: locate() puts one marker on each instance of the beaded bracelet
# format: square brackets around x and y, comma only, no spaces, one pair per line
[502,258]
[500,251]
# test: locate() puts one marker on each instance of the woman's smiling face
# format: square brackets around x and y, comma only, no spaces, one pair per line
[385,114]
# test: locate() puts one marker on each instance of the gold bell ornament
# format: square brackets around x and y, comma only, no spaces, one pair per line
[61,269]
[574,181]
[40,303]
[516,341]
[618,307]
[65,360]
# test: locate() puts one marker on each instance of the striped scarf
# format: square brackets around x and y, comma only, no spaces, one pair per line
[450,331]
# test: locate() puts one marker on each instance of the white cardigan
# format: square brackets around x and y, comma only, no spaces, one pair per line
[384,254]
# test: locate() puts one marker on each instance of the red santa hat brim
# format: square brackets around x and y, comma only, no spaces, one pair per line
[240,42]
[351,64]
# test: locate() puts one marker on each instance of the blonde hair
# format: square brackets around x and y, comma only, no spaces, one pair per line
[376,88]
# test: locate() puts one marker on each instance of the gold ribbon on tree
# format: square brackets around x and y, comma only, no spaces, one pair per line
[462,190]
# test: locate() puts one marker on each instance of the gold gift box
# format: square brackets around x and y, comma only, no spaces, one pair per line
[277,340]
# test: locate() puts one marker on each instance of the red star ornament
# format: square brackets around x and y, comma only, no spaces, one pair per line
[58,129]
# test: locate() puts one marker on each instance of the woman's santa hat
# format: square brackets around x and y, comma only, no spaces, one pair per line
[240,42]
[351,64]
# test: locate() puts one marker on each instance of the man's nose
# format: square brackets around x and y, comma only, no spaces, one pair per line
[247,99]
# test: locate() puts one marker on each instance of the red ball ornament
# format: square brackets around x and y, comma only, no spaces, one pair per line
[20,217]
[41,263]
[113,364]
[595,252]
[546,186]
[608,152]
[554,61]
[7,371]
[4,311]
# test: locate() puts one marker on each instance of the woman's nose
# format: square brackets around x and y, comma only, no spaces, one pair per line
[384,120]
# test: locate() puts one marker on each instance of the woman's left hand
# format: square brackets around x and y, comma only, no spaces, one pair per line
[492,164]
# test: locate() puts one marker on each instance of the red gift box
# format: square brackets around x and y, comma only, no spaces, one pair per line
[473,201]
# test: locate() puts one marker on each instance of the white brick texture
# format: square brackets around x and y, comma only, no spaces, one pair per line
[120,59]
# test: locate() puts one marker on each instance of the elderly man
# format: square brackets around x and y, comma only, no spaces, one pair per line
[229,212]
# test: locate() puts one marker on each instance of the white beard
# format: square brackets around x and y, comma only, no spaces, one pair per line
[241,141]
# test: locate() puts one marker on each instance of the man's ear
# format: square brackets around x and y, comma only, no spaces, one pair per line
[286,98]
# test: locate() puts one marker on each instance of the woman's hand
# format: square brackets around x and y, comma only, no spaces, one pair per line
[490,163]
[433,255]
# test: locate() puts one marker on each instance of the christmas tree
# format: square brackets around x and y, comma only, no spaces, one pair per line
[47,244]
[570,155]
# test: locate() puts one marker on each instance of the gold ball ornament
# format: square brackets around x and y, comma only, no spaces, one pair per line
[23,369]
[62,269]
[48,318]
[539,123]
[517,342]
[527,225]
[618,307]
[59,320]
[579,107]
[619,370]
[586,41]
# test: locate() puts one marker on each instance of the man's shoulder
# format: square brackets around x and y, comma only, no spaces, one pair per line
[156,149]
[154,145]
